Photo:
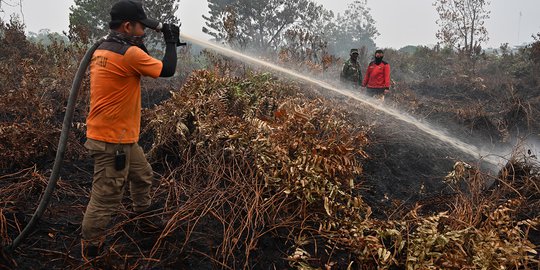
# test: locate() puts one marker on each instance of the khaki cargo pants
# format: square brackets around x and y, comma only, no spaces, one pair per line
[108,186]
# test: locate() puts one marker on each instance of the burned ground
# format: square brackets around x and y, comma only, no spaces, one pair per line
[198,189]
[261,173]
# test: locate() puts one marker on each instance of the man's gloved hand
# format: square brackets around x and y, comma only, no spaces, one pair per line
[171,33]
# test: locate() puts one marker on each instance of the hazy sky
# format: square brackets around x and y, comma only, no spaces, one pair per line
[399,22]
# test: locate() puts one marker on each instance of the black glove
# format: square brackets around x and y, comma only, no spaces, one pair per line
[171,33]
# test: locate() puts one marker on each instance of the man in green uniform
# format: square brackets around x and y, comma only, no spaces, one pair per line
[351,73]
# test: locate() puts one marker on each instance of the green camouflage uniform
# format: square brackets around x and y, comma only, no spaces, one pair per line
[351,73]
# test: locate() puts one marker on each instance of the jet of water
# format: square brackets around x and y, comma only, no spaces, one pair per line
[454,142]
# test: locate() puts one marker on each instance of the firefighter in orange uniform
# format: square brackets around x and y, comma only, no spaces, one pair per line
[114,120]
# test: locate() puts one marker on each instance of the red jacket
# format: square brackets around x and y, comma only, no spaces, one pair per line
[377,76]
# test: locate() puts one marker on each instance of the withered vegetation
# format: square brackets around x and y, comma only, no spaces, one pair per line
[251,172]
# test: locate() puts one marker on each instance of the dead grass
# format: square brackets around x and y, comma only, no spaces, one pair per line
[252,172]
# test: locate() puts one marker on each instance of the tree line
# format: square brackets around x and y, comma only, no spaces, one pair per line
[266,26]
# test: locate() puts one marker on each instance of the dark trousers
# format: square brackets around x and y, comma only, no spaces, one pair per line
[374,92]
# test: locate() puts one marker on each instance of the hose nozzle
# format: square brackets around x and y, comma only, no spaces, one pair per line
[160,26]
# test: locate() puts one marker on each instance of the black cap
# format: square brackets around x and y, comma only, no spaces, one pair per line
[131,10]
[379,51]
[353,51]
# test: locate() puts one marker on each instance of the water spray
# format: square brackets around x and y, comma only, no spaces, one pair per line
[455,143]
[62,145]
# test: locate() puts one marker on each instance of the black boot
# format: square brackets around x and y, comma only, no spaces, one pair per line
[90,252]
[149,221]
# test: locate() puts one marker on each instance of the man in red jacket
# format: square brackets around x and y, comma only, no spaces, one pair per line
[377,79]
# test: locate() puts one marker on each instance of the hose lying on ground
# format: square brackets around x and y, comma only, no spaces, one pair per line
[62,144]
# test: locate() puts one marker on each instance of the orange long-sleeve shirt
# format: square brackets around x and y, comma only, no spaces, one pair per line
[115,92]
